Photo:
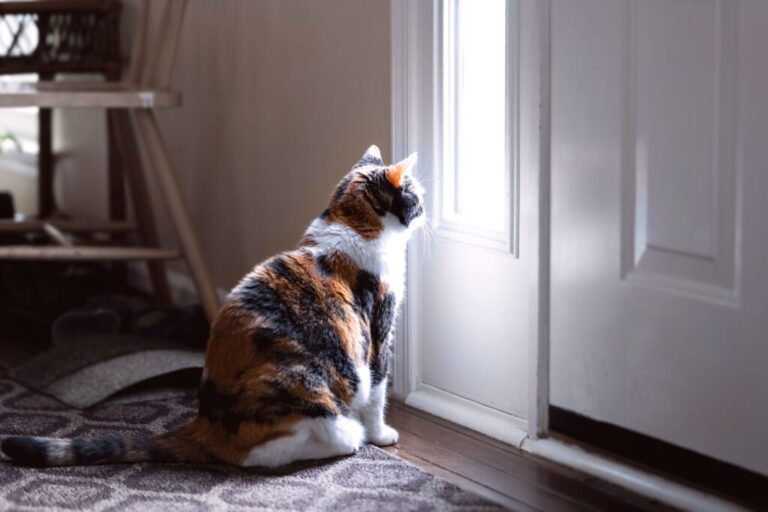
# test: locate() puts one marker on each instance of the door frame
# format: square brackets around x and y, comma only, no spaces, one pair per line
[416,126]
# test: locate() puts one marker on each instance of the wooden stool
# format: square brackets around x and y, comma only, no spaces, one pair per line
[131,121]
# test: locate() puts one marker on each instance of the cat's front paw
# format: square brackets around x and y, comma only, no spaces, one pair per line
[383,436]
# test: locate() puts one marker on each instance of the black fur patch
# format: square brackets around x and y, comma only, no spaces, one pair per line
[382,322]
[96,450]
[364,292]
[379,313]
[218,407]
[406,206]
[323,263]
[341,188]
[28,451]
[379,192]
[383,318]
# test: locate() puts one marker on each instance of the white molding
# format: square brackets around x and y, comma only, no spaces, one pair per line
[491,422]
[399,45]
[413,32]
[535,69]
[628,477]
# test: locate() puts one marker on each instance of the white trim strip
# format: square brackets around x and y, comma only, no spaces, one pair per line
[628,477]
[473,415]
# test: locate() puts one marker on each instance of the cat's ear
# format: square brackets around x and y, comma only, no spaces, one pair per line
[396,172]
[372,152]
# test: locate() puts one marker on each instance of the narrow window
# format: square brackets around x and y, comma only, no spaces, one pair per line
[478,86]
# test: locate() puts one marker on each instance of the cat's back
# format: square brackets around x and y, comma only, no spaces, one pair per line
[296,284]
[296,306]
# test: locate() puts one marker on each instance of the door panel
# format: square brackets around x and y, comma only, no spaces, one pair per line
[473,326]
[659,238]
[680,168]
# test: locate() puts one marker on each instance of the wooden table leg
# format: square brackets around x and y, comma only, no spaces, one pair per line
[115,172]
[45,200]
[115,197]
[127,151]
[162,167]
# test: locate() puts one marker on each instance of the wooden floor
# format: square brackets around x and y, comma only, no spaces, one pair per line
[500,472]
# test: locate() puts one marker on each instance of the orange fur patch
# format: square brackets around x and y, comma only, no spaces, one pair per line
[395,174]
[352,210]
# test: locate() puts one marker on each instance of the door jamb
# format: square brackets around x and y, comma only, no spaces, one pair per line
[415,98]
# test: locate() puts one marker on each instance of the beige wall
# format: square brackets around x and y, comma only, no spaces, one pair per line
[280,99]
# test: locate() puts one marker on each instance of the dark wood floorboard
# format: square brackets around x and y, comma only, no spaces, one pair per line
[501,472]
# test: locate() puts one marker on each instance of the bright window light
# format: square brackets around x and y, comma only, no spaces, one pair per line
[477,191]
[18,33]
[18,126]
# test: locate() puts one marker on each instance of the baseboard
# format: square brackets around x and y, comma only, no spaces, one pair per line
[493,423]
[636,480]
[669,459]
[182,287]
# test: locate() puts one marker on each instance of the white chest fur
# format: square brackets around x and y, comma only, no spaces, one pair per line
[383,257]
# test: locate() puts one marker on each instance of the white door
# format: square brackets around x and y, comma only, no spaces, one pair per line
[469,315]
[659,270]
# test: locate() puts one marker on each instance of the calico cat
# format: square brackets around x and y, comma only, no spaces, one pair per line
[296,363]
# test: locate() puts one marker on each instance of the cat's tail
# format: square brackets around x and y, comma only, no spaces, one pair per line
[176,446]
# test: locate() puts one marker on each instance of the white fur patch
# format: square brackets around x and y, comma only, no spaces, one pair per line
[363,393]
[383,257]
[372,415]
[315,438]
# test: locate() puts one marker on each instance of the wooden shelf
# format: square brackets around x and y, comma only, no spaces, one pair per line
[85,95]
[85,253]
[71,226]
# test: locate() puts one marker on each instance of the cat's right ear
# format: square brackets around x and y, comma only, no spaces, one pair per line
[396,172]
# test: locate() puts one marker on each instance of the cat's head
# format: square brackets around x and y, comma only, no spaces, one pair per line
[373,197]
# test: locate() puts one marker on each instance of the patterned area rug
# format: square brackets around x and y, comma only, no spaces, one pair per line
[371,480]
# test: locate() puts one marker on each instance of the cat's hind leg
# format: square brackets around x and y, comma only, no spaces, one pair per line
[316,438]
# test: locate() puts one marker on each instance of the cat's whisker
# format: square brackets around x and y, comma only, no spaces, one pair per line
[427,239]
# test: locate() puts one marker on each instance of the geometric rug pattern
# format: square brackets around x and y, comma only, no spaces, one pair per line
[371,480]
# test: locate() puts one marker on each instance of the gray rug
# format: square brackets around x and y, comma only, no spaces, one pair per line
[372,480]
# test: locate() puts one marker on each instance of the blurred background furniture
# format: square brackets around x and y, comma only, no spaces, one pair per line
[47,37]
[82,35]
